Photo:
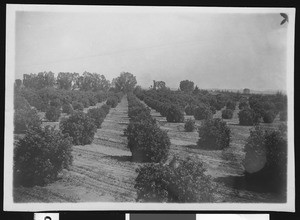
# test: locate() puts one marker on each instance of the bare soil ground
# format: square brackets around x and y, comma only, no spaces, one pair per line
[225,167]
[101,172]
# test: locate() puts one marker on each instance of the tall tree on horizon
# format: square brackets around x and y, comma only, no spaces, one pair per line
[125,82]
[186,86]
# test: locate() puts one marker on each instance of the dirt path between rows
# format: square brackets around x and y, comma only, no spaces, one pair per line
[225,167]
[101,171]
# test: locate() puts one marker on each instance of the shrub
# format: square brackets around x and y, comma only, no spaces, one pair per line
[100,96]
[202,112]
[243,104]
[255,144]
[112,101]
[143,117]
[20,102]
[55,103]
[276,166]
[163,108]
[268,106]
[189,125]
[80,127]
[85,101]
[25,119]
[266,159]
[48,96]
[212,109]
[217,102]
[119,96]
[280,106]
[283,115]
[67,108]
[93,101]
[140,95]
[33,99]
[255,101]
[146,141]
[17,84]
[98,115]
[248,117]
[105,108]
[219,105]
[174,114]
[152,183]
[77,106]
[135,107]
[214,134]
[230,105]
[92,98]
[282,128]
[137,111]
[53,113]
[269,116]
[227,114]
[189,110]
[184,182]
[256,104]
[40,156]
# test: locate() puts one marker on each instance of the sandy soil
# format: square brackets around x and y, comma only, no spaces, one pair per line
[103,172]
[100,172]
[225,167]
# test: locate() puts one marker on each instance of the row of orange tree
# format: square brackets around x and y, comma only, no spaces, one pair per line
[214,134]
[40,153]
[159,179]
[173,104]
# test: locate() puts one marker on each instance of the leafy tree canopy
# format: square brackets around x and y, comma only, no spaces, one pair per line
[40,80]
[186,86]
[125,82]
[66,80]
[93,81]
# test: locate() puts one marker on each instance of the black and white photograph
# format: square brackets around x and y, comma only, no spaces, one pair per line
[181,216]
[232,217]
[149,108]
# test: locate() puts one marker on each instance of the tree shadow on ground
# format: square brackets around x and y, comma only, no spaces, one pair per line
[239,125]
[197,147]
[123,123]
[243,183]
[192,146]
[120,158]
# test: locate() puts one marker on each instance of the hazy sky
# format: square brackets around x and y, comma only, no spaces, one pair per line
[229,51]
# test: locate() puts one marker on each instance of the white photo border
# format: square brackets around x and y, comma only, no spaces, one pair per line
[9,205]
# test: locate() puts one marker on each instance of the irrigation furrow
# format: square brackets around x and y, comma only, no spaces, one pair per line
[99,170]
[109,180]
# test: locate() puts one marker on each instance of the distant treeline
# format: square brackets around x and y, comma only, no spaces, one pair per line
[74,81]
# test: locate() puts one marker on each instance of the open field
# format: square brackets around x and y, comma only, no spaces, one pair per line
[100,172]
[137,105]
[103,171]
[224,166]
